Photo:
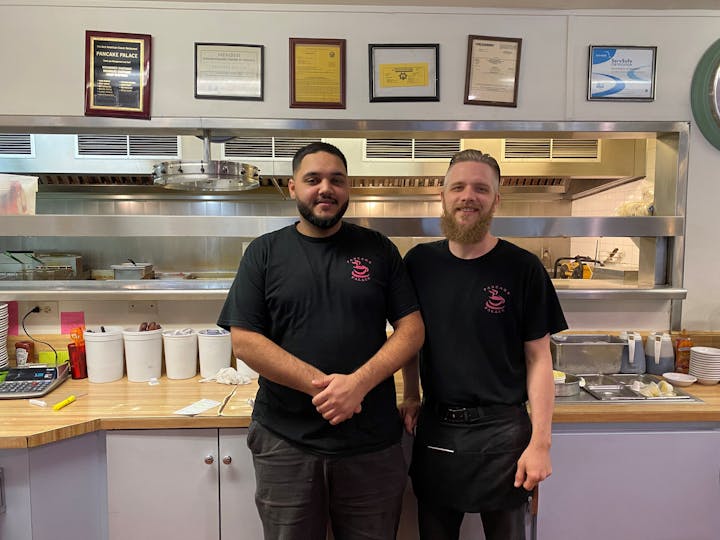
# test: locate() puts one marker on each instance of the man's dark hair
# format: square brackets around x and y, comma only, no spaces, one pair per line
[314,148]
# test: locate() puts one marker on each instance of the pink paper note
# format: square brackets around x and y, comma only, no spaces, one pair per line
[70,320]
[12,318]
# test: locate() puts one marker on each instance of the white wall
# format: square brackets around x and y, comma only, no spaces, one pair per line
[43,74]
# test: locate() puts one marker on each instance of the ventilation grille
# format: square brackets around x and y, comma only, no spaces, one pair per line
[148,146]
[511,183]
[436,148]
[95,179]
[395,149]
[551,149]
[16,145]
[533,181]
[265,147]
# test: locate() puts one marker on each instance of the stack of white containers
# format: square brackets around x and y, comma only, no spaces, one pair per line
[705,364]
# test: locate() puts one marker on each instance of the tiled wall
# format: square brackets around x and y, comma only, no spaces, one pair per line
[610,203]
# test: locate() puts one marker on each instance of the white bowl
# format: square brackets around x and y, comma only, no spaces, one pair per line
[679,379]
[708,382]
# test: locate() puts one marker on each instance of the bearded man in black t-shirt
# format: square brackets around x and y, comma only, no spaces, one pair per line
[308,312]
[489,308]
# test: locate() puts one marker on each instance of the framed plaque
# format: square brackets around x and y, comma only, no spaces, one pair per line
[493,68]
[404,72]
[317,73]
[621,73]
[117,74]
[228,71]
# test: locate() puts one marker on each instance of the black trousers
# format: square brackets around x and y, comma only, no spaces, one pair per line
[440,523]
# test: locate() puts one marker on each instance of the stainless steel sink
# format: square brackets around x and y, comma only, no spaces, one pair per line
[602,388]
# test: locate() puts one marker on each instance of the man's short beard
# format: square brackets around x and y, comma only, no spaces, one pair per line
[306,211]
[465,234]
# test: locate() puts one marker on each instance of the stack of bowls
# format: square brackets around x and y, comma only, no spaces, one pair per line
[705,364]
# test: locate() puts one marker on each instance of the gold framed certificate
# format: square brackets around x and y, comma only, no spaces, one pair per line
[493,69]
[404,72]
[117,74]
[317,73]
[229,71]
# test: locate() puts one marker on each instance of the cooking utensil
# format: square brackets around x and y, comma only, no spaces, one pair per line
[575,268]
[570,387]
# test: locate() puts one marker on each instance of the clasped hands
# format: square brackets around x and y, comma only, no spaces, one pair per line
[339,396]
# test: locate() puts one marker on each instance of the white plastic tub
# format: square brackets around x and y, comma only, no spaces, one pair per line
[181,354]
[104,354]
[215,349]
[143,354]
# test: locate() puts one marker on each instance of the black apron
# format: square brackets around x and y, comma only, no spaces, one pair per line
[470,467]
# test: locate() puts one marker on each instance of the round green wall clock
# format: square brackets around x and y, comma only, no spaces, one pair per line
[705,94]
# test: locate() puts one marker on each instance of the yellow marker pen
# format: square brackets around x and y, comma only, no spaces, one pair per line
[67,401]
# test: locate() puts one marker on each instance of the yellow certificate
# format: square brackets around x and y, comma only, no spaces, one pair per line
[403,75]
[318,73]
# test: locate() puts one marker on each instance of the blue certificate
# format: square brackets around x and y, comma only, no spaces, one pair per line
[622,73]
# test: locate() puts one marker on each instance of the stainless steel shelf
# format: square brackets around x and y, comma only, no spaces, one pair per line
[252,226]
[218,289]
[324,127]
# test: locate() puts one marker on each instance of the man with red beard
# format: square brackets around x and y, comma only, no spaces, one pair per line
[308,311]
[489,308]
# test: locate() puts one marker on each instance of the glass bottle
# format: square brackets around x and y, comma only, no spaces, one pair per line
[683,343]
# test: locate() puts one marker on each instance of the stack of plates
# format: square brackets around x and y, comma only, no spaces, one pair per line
[3,336]
[705,364]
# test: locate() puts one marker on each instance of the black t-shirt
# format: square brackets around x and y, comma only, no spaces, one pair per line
[478,314]
[327,301]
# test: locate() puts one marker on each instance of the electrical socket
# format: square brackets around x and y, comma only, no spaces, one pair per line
[143,306]
[48,308]
[44,321]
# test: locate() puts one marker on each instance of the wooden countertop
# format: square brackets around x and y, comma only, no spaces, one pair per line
[126,405]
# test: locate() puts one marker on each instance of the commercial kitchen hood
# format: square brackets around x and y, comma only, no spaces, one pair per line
[56,162]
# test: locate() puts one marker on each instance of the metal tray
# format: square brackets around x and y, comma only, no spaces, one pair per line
[617,388]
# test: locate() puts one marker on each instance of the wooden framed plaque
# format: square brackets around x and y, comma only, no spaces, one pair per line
[317,73]
[493,68]
[117,74]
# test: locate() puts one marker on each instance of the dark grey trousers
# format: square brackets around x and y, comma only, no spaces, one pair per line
[299,494]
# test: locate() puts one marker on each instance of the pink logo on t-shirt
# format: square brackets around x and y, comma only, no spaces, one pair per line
[360,270]
[496,300]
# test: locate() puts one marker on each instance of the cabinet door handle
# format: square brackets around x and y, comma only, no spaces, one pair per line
[227,460]
[209,459]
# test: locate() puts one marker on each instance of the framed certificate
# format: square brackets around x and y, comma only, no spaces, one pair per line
[404,72]
[117,74]
[317,73]
[493,68]
[228,71]
[621,73]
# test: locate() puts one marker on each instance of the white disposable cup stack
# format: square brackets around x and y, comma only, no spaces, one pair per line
[143,354]
[104,354]
[181,353]
[215,350]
